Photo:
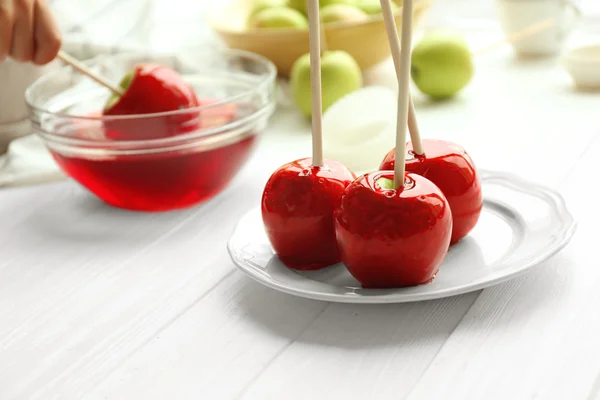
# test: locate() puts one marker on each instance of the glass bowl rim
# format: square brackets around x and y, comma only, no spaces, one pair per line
[267,109]
[143,146]
[261,60]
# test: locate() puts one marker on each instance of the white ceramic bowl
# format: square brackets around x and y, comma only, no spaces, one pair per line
[583,64]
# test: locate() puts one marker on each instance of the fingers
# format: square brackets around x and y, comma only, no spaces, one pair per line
[47,37]
[7,15]
[22,35]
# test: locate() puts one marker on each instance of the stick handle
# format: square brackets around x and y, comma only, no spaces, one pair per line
[401,54]
[314,32]
[395,48]
[68,59]
[520,35]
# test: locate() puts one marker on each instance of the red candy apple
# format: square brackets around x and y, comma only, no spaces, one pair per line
[453,171]
[151,89]
[297,211]
[393,238]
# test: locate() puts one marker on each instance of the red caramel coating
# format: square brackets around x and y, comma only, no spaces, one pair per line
[297,210]
[450,167]
[153,89]
[393,238]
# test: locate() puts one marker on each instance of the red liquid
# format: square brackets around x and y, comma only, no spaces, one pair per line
[159,182]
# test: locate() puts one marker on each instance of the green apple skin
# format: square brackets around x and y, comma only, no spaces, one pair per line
[260,5]
[298,5]
[442,64]
[126,81]
[326,3]
[342,13]
[373,7]
[278,18]
[340,76]
[301,5]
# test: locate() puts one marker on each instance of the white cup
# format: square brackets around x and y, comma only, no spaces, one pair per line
[518,15]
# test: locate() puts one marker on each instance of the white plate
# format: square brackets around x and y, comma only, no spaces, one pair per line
[521,225]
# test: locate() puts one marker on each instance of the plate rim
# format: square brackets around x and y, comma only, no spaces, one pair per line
[513,181]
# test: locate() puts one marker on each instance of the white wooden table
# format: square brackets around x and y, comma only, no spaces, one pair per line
[98,303]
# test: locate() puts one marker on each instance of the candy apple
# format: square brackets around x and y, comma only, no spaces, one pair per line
[393,238]
[450,167]
[297,212]
[150,89]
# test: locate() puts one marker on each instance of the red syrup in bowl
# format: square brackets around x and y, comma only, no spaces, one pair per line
[163,180]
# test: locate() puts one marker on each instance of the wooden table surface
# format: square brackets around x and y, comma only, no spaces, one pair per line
[99,303]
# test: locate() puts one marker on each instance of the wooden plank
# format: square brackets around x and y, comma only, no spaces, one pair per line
[534,337]
[83,285]
[217,348]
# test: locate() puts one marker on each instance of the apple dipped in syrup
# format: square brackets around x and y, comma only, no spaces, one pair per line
[393,228]
[451,168]
[300,197]
[151,89]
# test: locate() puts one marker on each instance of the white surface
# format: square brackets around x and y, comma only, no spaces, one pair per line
[521,225]
[97,303]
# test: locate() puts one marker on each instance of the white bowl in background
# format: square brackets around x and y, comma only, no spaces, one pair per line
[583,64]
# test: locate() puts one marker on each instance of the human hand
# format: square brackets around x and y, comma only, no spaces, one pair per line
[28,31]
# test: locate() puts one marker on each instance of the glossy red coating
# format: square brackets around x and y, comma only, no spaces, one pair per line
[393,238]
[450,167]
[297,211]
[153,89]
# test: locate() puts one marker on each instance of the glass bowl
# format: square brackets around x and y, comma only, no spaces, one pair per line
[237,94]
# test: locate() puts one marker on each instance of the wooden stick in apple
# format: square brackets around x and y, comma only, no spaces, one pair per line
[402,57]
[70,60]
[314,32]
[447,165]
[395,47]
[300,197]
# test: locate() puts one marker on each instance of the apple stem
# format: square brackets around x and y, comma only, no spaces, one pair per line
[314,32]
[70,60]
[403,80]
[395,47]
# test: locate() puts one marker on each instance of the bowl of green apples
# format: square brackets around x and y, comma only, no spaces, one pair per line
[278,29]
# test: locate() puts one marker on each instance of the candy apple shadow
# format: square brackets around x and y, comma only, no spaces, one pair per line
[342,326]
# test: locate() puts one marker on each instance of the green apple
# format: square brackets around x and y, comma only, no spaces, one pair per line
[298,5]
[301,5]
[260,5]
[342,13]
[124,84]
[441,64]
[325,3]
[340,75]
[373,7]
[279,17]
